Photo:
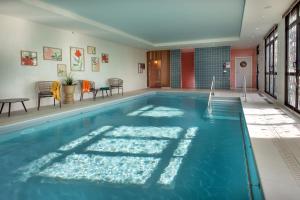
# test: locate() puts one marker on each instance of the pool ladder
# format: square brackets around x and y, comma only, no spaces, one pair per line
[211,93]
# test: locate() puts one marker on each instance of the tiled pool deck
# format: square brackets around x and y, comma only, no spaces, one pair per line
[274,132]
[275,137]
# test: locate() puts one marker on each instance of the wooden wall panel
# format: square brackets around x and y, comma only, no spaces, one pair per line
[187,70]
[158,65]
[165,69]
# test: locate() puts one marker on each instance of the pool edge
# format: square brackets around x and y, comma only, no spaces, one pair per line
[5,129]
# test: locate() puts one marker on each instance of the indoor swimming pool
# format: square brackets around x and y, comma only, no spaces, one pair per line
[161,145]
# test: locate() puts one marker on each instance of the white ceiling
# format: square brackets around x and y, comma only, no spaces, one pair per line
[258,17]
[164,21]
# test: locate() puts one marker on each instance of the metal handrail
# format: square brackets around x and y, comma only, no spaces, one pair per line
[245,88]
[211,93]
[212,87]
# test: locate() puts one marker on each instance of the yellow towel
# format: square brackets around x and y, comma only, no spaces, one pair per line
[55,89]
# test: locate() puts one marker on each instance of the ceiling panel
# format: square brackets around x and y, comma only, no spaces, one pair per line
[165,21]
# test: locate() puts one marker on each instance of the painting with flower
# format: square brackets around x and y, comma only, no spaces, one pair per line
[51,53]
[29,58]
[61,70]
[91,50]
[104,58]
[77,59]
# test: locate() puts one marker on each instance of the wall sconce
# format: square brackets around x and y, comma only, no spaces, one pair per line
[157,63]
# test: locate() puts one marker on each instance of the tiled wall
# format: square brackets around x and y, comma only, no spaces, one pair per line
[208,63]
[175,62]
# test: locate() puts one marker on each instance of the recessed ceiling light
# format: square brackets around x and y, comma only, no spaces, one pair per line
[268,7]
[257,28]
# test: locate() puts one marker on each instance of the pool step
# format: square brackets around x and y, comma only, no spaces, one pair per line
[222,115]
[223,110]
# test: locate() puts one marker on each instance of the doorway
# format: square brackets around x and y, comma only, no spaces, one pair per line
[158,67]
[292,83]
[243,67]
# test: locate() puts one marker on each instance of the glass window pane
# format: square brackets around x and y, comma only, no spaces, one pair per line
[293,16]
[275,55]
[271,57]
[299,93]
[271,84]
[275,85]
[267,58]
[292,49]
[267,83]
[291,90]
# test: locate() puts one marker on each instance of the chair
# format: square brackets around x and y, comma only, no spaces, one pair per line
[92,89]
[115,83]
[44,90]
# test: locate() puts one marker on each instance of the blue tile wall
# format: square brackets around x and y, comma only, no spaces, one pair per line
[175,67]
[208,63]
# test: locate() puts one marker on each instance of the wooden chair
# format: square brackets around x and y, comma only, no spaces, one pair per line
[92,89]
[44,90]
[115,83]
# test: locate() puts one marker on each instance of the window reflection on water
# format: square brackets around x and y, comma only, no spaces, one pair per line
[134,153]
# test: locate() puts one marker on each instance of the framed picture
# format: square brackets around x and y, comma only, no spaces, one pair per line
[141,68]
[61,70]
[95,64]
[104,58]
[29,58]
[77,59]
[91,50]
[51,53]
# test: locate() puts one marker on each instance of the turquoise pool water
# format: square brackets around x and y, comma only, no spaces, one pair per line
[159,146]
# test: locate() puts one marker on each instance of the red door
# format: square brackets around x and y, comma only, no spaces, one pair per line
[187,70]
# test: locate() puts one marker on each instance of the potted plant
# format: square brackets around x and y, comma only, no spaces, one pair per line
[69,89]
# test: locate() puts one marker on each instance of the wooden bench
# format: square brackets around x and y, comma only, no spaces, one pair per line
[10,101]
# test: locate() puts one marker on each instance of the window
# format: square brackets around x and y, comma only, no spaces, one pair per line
[271,45]
[292,60]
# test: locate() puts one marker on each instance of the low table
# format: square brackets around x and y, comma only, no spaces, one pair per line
[102,89]
[10,101]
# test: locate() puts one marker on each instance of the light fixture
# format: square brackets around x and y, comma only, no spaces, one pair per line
[226,66]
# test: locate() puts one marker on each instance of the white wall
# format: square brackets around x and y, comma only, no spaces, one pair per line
[19,81]
[281,64]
